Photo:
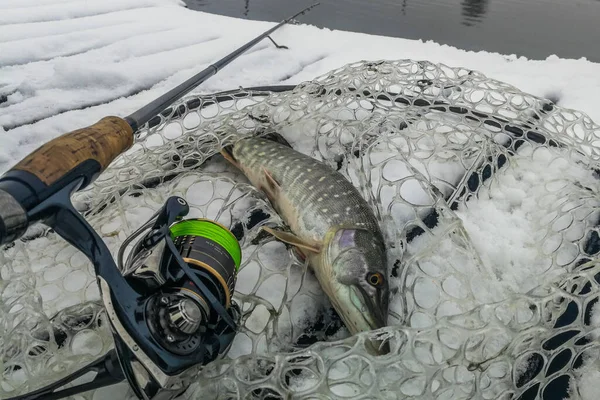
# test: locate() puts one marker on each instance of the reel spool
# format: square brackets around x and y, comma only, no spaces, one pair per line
[210,248]
[179,316]
[186,272]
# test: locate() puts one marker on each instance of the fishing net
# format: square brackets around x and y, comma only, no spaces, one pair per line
[488,200]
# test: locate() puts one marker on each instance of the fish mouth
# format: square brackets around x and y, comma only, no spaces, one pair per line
[376,316]
[369,314]
[377,307]
[367,317]
[373,318]
[378,320]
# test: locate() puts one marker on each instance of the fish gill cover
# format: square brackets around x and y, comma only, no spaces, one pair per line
[487,197]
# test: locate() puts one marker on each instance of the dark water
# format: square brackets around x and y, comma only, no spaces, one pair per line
[531,28]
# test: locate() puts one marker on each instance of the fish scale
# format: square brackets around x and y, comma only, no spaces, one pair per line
[331,224]
[325,197]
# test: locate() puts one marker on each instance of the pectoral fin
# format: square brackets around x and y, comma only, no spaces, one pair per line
[294,240]
[273,184]
[272,187]
[228,155]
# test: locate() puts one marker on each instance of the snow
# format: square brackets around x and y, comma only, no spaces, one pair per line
[514,211]
[65,64]
[88,59]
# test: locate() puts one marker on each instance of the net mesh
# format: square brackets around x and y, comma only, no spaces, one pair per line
[488,199]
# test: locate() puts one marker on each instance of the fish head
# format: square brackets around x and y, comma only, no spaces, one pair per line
[356,262]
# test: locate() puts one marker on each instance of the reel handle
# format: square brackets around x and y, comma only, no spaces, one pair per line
[102,142]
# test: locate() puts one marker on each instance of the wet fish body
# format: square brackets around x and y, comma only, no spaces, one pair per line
[331,224]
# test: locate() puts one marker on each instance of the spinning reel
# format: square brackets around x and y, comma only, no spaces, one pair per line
[169,301]
[184,312]
[184,271]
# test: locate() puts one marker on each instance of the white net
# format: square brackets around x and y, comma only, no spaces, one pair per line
[488,199]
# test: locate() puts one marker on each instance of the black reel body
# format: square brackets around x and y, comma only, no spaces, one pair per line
[185,279]
[169,305]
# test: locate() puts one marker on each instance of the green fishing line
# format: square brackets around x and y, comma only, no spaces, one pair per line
[211,231]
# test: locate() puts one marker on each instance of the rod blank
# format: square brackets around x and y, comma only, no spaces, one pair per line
[144,114]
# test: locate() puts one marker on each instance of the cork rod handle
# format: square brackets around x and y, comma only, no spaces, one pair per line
[103,142]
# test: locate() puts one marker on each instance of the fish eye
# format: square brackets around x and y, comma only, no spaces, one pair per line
[375,279]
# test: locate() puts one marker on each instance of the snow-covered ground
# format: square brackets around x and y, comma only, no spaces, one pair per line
[65,64]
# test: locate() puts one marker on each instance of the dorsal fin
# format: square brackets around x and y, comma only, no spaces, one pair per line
[276,137]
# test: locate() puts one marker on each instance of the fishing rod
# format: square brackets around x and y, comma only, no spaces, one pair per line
[168,295]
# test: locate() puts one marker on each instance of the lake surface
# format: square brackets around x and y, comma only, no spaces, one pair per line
[531,28]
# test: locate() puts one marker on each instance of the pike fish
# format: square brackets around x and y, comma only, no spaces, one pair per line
[331,225]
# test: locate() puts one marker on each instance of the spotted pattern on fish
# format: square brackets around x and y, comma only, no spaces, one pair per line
[331,223]
[324,196]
